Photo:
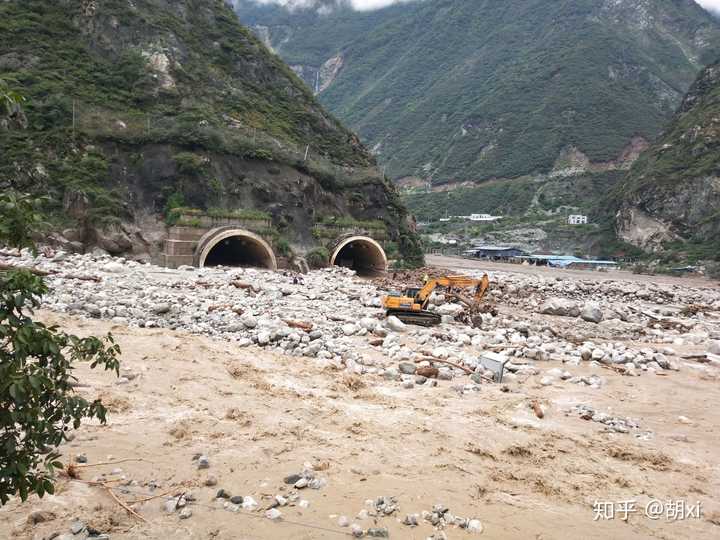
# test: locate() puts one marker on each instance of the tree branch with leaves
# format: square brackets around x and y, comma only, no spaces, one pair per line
[11,112]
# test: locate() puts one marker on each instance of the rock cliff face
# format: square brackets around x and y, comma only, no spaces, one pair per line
[137,106]
[672,193]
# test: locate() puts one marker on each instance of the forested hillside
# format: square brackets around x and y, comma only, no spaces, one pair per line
[133,107]
[458,90]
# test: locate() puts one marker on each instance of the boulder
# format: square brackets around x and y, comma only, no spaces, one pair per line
[113,268]
[561,307]
[40,516]
[395,324]
[407,368]
[450,309]
[368,323]
[273,514]
[114,242]
[160,308]
[475,526]
[591,312]
[349,329]
[248,321]
[662,360]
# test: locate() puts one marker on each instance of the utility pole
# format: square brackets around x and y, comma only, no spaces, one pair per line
[307,149]
[73,119]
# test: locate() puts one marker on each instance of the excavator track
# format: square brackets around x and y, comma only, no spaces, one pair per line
[419,318]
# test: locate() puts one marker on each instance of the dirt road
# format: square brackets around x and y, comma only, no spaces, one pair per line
[460,264]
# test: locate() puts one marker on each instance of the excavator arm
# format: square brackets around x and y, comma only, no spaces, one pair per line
[460,282]
[481,287]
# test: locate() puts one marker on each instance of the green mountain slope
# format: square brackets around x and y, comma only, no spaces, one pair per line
[671,197]
[134,106]
[468,90]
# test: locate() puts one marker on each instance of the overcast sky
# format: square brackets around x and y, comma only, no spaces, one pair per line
[710,4]
[375,4]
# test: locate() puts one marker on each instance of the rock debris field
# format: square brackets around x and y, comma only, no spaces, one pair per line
[279,405]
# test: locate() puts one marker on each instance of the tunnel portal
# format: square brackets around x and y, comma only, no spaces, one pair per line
[235,247]
[362,254]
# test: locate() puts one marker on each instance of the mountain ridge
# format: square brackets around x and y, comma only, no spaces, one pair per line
[671,197]
[136,106]
[521,90]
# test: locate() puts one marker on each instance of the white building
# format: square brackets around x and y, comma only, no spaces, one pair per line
[483,217]
[479,217]
[577,219]
[439,238]
[473,217]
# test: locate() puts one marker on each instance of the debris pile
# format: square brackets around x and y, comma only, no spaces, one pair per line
[614,423]
[337,320]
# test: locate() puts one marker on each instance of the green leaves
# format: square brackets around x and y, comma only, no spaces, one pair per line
[10,100]
[37,401]
[21,217]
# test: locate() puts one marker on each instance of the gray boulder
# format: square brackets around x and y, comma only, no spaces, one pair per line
[113,268]
[407,368]
[368,323]
[592,313]
[561,307]
[248,321]
[160,308]
[450,309]
[395,324]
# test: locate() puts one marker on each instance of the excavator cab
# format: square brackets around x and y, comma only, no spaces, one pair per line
[411,293]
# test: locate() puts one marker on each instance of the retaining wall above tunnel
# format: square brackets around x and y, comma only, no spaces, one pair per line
[230,246]
[361,253]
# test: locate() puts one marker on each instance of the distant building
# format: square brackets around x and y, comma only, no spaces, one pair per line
[494,252]
[438,238]
[482,217]
[567,261]
[577,219]
[471,217]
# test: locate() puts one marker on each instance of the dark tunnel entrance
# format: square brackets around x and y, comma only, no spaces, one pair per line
[238,251]
[362,254]
[237,248]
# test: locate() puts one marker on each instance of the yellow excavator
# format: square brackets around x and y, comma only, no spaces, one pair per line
[410,306]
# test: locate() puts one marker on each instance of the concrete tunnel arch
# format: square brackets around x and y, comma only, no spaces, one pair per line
[362,254]
[229,246]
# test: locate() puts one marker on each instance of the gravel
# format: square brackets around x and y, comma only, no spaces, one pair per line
[333,317]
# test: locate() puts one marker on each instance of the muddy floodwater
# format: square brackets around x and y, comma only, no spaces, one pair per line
[547,453]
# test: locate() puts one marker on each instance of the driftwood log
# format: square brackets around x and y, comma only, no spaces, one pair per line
[9,267]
